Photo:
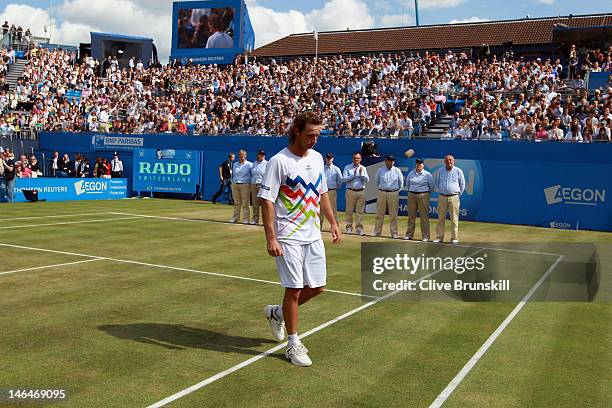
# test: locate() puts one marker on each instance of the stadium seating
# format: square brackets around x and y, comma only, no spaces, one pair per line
[397,95]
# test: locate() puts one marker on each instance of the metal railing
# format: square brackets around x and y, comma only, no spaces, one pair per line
[15,139]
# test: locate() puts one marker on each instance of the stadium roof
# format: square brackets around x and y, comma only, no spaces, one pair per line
[119,37]
[432,37]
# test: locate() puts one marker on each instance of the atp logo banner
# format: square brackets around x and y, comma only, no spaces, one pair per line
[168,170]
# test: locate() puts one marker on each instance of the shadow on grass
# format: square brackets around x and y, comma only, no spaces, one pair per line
[180,337]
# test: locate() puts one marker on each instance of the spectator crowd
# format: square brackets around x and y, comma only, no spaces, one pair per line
[12,168]
[396,95]
[15,34]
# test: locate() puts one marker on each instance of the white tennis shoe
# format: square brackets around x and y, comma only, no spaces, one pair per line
[298,355]
[277,326]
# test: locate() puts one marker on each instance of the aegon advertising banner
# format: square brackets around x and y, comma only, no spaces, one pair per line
[69,189]
[166,171]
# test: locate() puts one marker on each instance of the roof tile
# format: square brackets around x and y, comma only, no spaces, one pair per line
[520,32]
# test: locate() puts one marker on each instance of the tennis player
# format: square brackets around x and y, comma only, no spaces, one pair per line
[294,194]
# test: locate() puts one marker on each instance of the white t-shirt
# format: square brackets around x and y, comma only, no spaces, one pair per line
[295,184]
[220,40]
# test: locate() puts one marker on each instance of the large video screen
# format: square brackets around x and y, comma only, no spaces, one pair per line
[206,28]
[210,31]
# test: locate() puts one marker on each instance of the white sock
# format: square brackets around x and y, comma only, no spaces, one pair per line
[278,312]
[293,340]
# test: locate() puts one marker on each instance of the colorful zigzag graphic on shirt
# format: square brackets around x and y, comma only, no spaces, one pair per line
[297,196]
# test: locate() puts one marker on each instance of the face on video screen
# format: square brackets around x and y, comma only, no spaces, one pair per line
[206,28]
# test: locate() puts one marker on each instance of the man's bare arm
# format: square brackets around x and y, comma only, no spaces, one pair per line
[268,214]
[326,210]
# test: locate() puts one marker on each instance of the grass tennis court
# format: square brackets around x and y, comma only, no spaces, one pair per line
[124,304]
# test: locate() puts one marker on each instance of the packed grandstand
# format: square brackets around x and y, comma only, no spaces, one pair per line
[395,95]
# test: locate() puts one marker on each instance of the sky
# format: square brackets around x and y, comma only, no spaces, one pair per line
[73,20]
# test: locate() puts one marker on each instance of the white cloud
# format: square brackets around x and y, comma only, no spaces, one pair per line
[473,19]
[270,25]
[74,19]
[131,18]
[28,17]
[547,2]
[395,20]
[425,4]
[385,6]
[341,14]
[80,17]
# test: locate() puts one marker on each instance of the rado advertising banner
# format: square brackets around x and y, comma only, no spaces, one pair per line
[167,171]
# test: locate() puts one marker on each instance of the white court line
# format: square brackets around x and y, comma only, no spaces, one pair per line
[161,217]
[56,216]
[176,268]
[49,266]
[53,251]
[487,344]
[68,223]
[412,242]
[223,275]
[266,353]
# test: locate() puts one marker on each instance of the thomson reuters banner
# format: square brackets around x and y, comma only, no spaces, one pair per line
[167,171]
[69,189]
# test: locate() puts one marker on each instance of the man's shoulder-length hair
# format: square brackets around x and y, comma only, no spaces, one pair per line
[301,121]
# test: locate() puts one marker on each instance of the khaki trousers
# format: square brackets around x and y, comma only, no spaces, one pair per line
[333,200]
[355,203]
[256,203]
[241,193]
[418,202]
[390,200]
[452,205]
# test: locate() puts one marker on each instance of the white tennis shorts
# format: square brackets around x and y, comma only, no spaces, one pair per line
[302,265]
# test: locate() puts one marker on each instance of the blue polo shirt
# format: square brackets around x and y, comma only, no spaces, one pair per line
[353,178]
[449,182]
[241,172]
[258,169]
[389,179]
[420,182]
[333,176]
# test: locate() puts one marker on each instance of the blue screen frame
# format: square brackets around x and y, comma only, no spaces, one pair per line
[204,55]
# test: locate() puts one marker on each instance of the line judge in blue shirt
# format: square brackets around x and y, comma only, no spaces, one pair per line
[450,184]
[355,176]
[333,175]
[389,180]
[241,181]
[420,184]
[258,169]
